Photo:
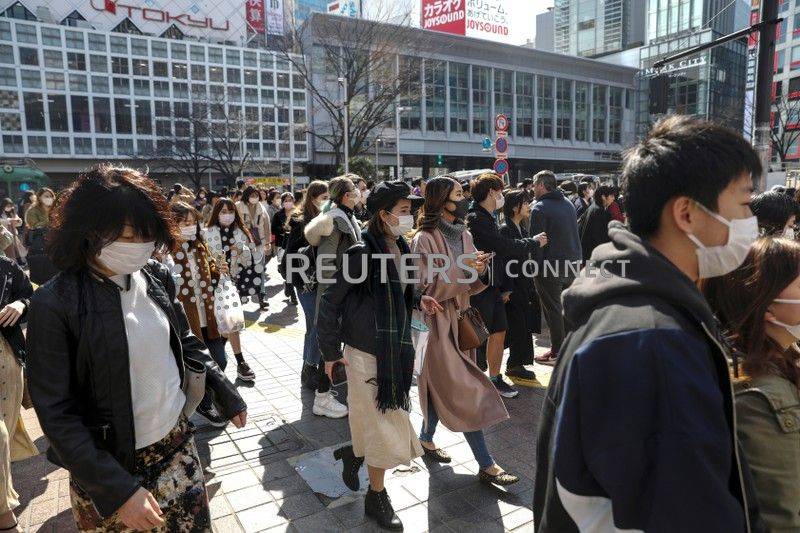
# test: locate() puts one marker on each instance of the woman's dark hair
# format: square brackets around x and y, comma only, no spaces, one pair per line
[514,199]
[26,197]
[271,195]
[483,184]
[5,203]
[773,210]
[298,196]
[307,210]
[741,299]
[94,210]
[416,182]
[376,225]
[583,186]
[262,194]
[287,197]
[180,212]
[603,190]
[213,220]
[437,194]
[248,192]
[682,156]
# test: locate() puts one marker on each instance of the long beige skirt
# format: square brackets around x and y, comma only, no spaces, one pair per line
[384,440]
[15,444]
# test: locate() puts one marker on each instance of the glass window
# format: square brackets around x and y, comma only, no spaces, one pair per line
[161,88]
[158,49]
[214,55]
[234,75]
[83,145]
[98,63]
[162,109]
[77,82]
[266,61]
[12,143]
[434,94]
[198,90]
[119,65]
[599,114]
[480,100]
[163,128]
[251,96]
[10,122]
[524,119]
[54,81]
[97,42]
[266,79]
[178,50]
[37,144]
[26,33]
[160,69]
[52,58]
[61,145]
[179,71]
[198,72]
[141,67]
[138,47]
[504,95]
[144,118]
[76,60]
[100,84]
[31,79]
[232,56]
[122,112]
[8,77]
[215,74]
[283,81]
[34,111]
[795,64]
[182,109]
[197,53]
[250,77]
[28,56]
[102,115]
[298,82]
[5,30]
[544,107]
[125,146]
[104,146]
[75,40]
[250,59]
[122,86]
[180,90]
[80,114]
[564,110]
[581,111]
[267,96]
[7,54]
[141,87]
[615,115]
[780,60]
[119,45]
[459,98]
[51,37]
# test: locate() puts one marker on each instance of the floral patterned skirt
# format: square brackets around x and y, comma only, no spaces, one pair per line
[170,469]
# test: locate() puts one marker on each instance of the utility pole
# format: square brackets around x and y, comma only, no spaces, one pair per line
[346,128]
[377,140]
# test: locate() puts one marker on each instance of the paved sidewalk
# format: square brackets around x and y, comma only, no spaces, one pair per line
[252,486]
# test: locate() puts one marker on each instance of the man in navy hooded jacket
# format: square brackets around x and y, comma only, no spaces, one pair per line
[638,429]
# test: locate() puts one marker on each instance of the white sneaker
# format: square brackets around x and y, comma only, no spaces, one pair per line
[325,404]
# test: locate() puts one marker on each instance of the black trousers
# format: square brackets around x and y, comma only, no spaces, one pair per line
[549,289]
[519,335]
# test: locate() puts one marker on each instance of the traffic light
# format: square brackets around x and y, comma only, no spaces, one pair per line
[440,160]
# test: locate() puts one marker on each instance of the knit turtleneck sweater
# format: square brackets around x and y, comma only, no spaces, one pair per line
[452,235]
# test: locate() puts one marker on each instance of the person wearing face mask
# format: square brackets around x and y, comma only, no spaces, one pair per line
[374,325]
[639,409]
[776,213]
[228,238]
[584,199]
[11,222]
[273,203]
[280,232]
[313,374]
[108,351]
[487,193]
[37,223]
[360,211]
[257,222]
[451,385]
[331,233]
[758,306]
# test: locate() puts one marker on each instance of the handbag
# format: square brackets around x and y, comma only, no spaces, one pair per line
[228,310]
[194,385]
[472,330]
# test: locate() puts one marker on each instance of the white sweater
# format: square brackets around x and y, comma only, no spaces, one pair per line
[156,393]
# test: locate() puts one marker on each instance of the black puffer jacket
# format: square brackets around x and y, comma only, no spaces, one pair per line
[80,383]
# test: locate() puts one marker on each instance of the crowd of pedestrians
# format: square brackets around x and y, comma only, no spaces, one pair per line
[673,405]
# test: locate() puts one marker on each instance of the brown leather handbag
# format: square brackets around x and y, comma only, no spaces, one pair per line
[472,330]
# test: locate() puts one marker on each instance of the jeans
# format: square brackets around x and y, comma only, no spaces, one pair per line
[474,438]
[308,301]
[216,348]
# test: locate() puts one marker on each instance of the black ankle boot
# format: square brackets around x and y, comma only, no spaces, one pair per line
[378,506]
[350,466]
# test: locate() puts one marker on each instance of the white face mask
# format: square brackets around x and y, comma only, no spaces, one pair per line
[788,233]
[405,223]
[126,257]
[47,200]
[500,202]
[365,194]
[794,331]
[288,205]
[319,203]
[227,219]
[254,200]
[716,261]
[189,232]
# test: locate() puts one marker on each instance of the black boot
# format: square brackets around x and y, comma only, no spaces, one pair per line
[378,506]
[350,466]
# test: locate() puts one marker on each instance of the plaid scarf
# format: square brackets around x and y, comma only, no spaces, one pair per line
[394,350]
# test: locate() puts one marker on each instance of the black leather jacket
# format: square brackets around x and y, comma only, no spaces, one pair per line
[14,285]
[79,378]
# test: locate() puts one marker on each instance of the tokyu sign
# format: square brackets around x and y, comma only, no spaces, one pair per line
[160,15]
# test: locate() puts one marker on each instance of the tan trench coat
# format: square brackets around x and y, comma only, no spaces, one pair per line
[464,397]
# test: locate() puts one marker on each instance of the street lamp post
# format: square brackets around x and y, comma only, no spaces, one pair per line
[397,110]
[377,140]
[346,128]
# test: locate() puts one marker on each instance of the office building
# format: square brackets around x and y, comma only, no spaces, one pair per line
[594,28]
[545,38]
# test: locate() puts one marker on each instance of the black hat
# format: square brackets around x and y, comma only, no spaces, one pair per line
[386,194]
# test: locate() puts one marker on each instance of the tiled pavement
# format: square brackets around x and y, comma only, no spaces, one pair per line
[252,487]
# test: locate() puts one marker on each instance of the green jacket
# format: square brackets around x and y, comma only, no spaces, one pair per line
[768,412]
[37,218]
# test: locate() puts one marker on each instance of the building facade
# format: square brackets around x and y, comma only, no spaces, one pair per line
[72,95]
[566,113]
[593,28]
[545,28]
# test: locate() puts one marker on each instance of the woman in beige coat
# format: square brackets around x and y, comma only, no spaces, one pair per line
[451,386]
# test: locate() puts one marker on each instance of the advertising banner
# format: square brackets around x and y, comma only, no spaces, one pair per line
[254,14]
[448,16]
[274,17]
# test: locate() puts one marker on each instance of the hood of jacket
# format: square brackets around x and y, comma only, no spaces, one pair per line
[323,224]
[633,267]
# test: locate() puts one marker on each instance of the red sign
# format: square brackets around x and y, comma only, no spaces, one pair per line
[501,123]
[448,16]
[254,14]
[501,147]
[501,166]
[160,15]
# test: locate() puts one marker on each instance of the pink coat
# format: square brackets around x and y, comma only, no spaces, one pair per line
[464,397]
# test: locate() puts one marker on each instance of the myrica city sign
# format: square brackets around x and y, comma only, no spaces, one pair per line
[160,15]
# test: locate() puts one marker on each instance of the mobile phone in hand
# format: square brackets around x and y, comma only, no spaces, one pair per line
[338,375]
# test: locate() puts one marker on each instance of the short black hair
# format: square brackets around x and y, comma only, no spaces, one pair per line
[416,182]
[514,199]
[248,192]
[682,156]
[546,178]
[603,190]
[773,210]
[239,183]
[94,210]
[526,182]
[582,186]
[568,187]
